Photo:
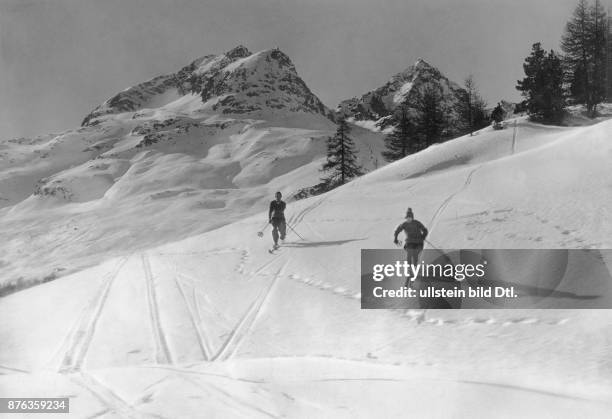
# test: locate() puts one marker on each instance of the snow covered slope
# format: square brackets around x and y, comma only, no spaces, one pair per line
[215,324]
[375,108]
[202,147]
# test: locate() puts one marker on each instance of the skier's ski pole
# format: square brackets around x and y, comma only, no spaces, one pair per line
[297,234]
[260,232]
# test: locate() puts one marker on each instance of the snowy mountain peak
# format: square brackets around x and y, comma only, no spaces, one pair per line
[238,52]
[266,81]
[421,63]
[404,87]
[235,82]
[211,63]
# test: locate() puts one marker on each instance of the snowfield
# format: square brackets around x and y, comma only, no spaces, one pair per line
[213,325]
[133,280]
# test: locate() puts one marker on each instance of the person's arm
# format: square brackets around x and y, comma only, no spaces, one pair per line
[424,231]
[270,212]
[397,231]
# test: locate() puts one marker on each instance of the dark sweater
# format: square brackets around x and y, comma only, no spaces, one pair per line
[415,231]
[277,210]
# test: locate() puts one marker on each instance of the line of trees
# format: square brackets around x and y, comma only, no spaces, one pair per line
[577,76]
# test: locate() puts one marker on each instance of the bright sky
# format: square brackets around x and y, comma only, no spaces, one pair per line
[60,58]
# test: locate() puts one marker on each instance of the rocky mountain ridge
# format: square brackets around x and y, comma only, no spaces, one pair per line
[378,105]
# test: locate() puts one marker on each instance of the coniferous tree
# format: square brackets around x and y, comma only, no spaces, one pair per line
[400,142]
[599,44]
[480,118]
[497,115]
[471,107]
[575,45]
[341,164]
[577,84]
[553,97]
[531,85]
[542,86]
[431,120]
[584,46]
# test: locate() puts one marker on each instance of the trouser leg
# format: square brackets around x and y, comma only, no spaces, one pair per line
[410,260]
[412,256]
[282,228]
[275,231]
[413,251]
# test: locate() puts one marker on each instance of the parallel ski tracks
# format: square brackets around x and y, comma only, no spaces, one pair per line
[106,396]
[237,333]
[242,407]
[248,320]
[162,351]
[83,333]
[203,342]
[299,217]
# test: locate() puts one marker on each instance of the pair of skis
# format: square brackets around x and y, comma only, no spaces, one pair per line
[273,250]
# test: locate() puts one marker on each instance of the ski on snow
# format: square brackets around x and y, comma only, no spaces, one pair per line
[274,250]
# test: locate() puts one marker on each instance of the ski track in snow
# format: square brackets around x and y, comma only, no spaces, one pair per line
[106,396]
[162,352]
[243,408]
[296,219]
[447,201]
[13,370]
[468,181]
[252,408]
[86,325]
[194,313]
[178,369]
[246,323]
[524,389]
[203,344]
[197,291]
[204,253]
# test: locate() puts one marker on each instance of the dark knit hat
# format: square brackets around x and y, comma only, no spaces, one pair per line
[409,213]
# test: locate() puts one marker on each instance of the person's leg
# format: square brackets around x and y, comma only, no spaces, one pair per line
[419,249]
[275,231]
[408,248]
[411,260]
[282,228]
[414,256]
[414,251]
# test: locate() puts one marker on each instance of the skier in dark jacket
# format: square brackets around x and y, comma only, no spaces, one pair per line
[415,236]
[276,217]
[497,116]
